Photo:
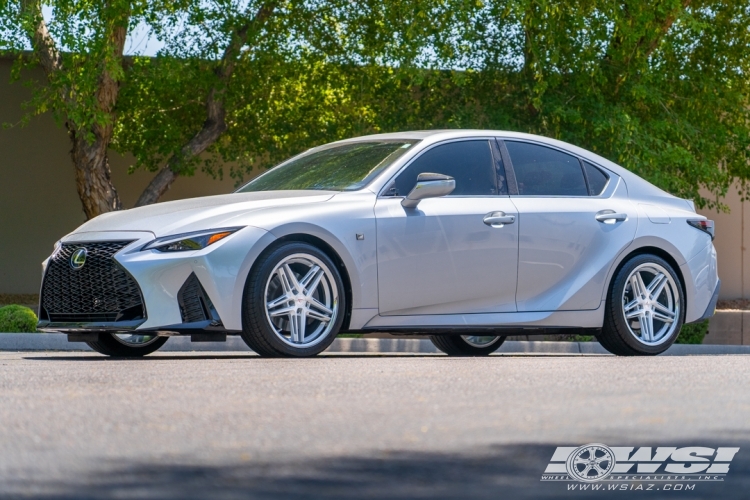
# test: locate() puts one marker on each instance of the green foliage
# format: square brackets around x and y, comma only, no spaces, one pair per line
[659,87]
[693,333]
[17,319]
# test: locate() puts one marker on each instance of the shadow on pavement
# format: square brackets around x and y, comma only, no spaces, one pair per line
[499,472]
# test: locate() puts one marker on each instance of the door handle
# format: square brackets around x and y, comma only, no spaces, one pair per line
[610,217]
[498,219]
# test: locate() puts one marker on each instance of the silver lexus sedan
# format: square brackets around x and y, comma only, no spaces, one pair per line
[464,235]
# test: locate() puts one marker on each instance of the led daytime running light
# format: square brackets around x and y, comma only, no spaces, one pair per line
[189,241]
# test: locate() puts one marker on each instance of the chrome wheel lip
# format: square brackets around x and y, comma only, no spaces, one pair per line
[326,284]
[657,302]
[480,341]
[135,339]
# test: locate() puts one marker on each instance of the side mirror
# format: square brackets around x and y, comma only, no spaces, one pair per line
[429,185]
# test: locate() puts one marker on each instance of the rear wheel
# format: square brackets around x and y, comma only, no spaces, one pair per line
[467,345]
[127,345]
[645,308]
[294,302]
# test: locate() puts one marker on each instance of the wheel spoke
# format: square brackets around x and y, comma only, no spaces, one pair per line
[657,285]
[314,283]
[284,279]
[305,281]
[319,306]
[641,285]
[292,278]
[633,314]
[663,313]
[647,327]
[301,323]
[313,314]
[283,311]
[277,302]
[664,310]
[632,304]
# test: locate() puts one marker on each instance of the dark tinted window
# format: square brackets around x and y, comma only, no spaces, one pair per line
[468,162]
[544,171]
[597,179]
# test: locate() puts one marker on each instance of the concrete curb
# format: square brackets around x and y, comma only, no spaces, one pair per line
[56,342]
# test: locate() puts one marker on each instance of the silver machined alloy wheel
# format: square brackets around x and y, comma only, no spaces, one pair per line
[651,304]
[480,341]
[301,300]
[134,339]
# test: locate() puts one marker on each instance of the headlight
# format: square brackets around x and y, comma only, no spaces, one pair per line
[190,241]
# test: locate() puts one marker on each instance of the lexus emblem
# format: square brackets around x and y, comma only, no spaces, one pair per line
[78,259]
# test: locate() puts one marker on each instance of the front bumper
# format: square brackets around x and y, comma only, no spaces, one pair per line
[221,269]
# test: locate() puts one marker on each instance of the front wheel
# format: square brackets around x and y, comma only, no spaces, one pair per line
[645,308]
[127,345]
[467,345]
[294,302]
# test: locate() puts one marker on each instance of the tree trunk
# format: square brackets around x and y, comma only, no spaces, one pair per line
[93,176]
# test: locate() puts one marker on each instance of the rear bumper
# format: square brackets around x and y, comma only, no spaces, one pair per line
[711,309]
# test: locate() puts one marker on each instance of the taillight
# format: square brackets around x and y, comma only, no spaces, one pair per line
[704,225]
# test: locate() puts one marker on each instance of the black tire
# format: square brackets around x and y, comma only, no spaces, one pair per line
[257,331]
[456,345]
[616,335]
[109,345]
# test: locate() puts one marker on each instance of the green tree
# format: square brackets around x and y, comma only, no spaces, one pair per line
[81,52]
[660,88]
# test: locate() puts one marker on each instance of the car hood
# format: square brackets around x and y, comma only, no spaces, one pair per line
[194,214]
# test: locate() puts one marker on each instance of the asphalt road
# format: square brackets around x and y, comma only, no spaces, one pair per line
[182,425]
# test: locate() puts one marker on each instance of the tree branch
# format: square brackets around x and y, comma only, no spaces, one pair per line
[618,64]
[215,123]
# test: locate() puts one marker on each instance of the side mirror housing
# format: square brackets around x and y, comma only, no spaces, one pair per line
[429,185]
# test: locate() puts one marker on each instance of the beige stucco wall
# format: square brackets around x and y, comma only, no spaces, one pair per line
[731,244]
[38,200]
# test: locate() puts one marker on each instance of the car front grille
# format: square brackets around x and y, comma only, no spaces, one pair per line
[100,291]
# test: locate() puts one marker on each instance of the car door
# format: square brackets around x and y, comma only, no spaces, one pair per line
[445,256]
[574,219]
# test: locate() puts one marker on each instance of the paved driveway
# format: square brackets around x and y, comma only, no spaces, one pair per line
[182,425]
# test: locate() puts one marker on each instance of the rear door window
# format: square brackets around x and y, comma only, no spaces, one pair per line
[543,171]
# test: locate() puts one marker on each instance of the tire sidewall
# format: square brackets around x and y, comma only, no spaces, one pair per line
[254,300]
[618,313]
[455,345]
[110,346]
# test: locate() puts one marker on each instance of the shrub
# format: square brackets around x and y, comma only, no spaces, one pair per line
[17,319]
[693,333]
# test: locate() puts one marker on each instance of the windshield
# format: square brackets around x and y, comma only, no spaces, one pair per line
[346,167]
